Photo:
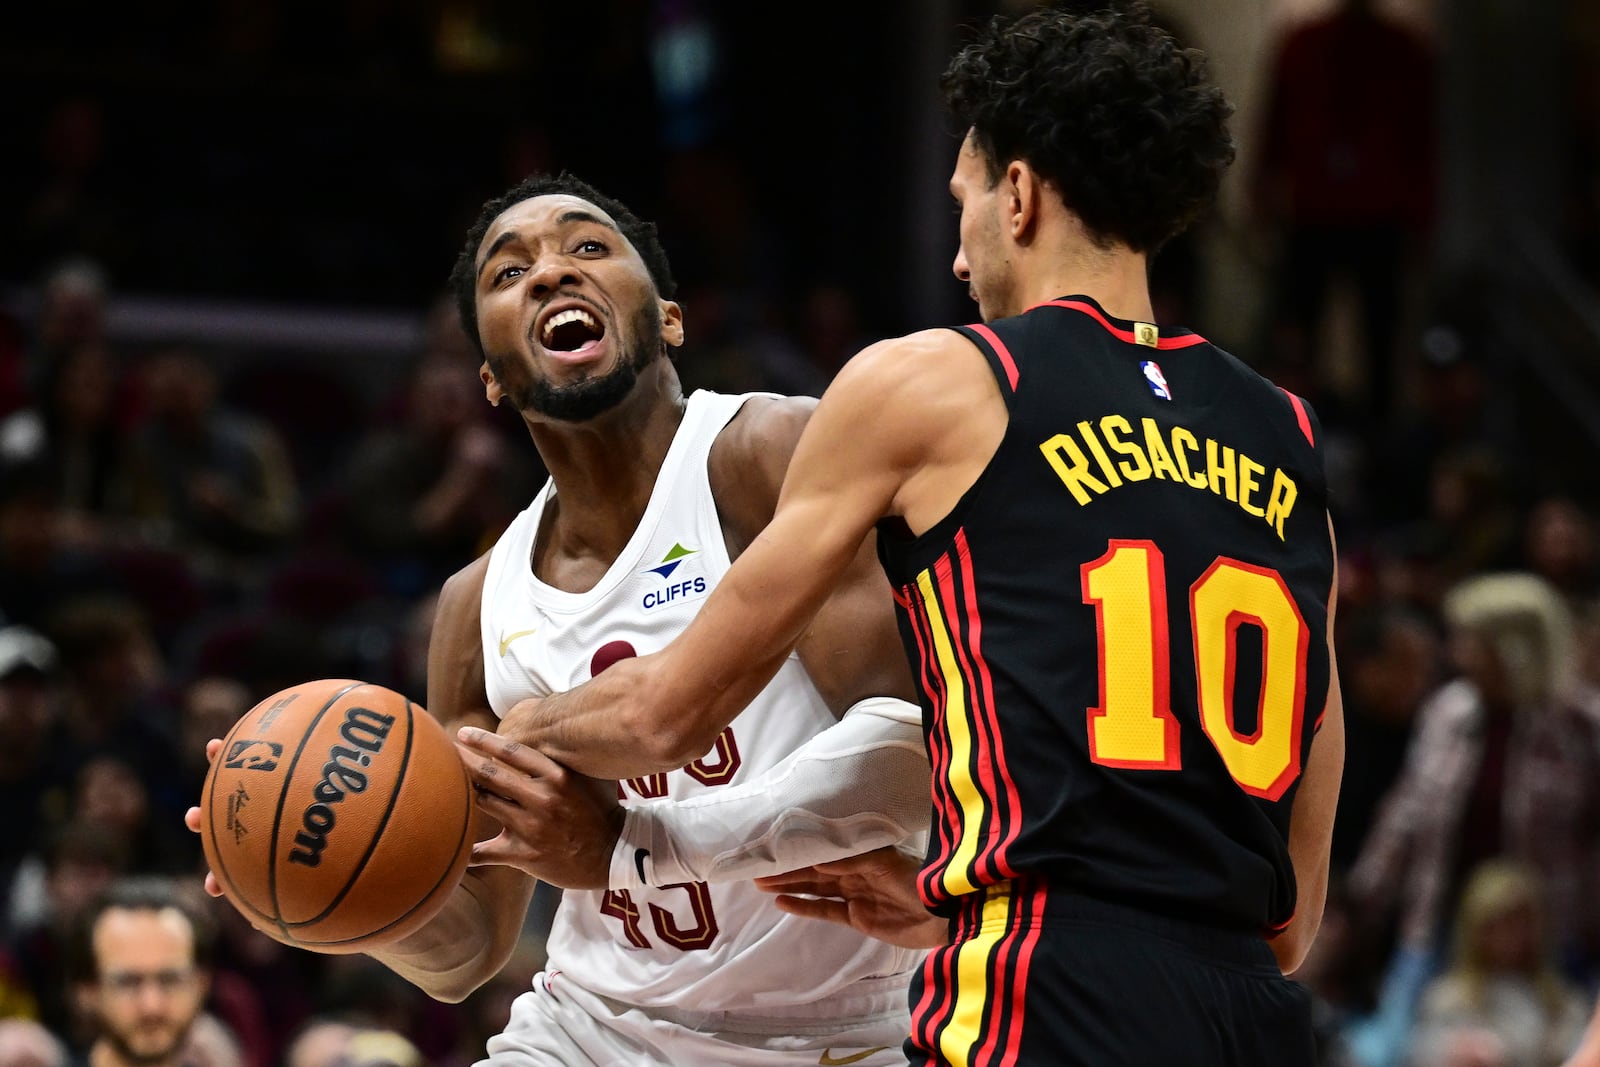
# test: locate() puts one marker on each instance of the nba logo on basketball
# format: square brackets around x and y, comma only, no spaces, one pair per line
[1157,380]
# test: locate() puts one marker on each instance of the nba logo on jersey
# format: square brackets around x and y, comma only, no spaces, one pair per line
[1157,380]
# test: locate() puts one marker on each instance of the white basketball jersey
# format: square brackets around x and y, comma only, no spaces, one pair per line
[720,947]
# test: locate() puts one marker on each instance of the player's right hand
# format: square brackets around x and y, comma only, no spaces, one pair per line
[555,824]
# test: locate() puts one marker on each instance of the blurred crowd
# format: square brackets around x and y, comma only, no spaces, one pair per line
[186,529]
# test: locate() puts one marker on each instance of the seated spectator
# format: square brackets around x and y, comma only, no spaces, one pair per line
[423,496]
[201,475]
[1502,976]
[73,434]
[29,695]
[26,1043]
[1505,761]
[115,702]
[79,862]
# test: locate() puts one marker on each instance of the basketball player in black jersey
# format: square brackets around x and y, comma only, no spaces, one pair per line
[1115,574]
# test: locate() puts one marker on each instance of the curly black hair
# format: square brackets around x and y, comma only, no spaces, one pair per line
[1107,107]
[642,235]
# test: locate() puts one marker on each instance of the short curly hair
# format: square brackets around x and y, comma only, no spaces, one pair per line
[642,235]
[1108,107]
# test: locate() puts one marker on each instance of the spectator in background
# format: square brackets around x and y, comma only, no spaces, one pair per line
[79,862]
[1390,660]
[1466,1046]
[73,434]
[114,700]
[1503,976]
[72,311]
[141,962]
[110,793]
[72,205]
[28,694]
[1561,543]
[1452,413]
[26,1043]
[200,475]
[1345,177]
[40,568]
[424,495]
[1505,762]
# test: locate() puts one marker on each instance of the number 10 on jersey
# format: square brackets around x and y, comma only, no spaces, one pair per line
[1134,726]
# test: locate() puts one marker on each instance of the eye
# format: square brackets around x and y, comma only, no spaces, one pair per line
[510,270]
[591,246]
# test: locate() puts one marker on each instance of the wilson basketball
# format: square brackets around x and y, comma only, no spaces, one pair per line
[337,816]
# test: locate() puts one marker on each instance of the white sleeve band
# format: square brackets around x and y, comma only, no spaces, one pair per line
[859,785]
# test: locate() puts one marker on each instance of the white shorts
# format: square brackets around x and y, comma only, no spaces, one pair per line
[559,1024]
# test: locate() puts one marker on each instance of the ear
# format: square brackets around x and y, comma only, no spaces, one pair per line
[491,386]
[1021,190]
[671,323]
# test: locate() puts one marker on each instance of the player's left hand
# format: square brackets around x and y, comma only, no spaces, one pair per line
[875,893]
[191,818]
[555,824]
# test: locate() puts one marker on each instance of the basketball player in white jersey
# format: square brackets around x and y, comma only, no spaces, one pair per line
[662,951]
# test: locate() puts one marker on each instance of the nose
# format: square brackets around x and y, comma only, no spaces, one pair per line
[551,273]
[962,271]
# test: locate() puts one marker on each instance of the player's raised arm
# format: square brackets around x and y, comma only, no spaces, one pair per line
[876,428]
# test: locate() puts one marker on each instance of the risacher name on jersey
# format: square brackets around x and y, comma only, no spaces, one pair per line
[1101,455]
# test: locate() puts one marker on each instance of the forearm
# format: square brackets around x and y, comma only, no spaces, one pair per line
[859,785]
[468,942]
[641,716]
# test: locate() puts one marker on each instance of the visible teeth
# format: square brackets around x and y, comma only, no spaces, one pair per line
[561,318]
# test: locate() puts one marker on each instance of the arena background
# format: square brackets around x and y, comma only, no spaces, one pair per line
[235,219]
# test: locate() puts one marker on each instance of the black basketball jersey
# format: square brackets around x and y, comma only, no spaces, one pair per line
[1120,630]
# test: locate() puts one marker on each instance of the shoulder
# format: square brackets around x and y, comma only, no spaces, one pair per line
[748,461]
[462,592]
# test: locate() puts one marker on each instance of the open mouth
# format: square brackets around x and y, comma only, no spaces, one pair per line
[571,331]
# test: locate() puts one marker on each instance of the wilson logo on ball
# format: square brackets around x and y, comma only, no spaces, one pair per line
[365,731]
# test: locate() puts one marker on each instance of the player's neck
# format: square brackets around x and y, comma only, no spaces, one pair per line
[605,469]
[1116,279]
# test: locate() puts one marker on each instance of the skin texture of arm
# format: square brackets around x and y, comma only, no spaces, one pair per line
[476,933]
[1311,825]
[877,433]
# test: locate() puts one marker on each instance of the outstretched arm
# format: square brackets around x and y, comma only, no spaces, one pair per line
[860,784]
[883,441]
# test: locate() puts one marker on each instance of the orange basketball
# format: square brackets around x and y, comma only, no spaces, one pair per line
[337,816]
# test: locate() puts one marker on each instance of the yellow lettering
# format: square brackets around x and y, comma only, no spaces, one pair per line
[1160,458]
[1112,478]
[1135,468]
[1183,442]
[1248,469]
[1072,467]
[1220,472]
[1281,500]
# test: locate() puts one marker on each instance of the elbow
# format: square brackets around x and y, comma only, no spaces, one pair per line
[455,989]
[1293,945]
[1290,952]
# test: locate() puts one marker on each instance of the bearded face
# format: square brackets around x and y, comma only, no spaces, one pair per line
[149,992]
[587,398]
